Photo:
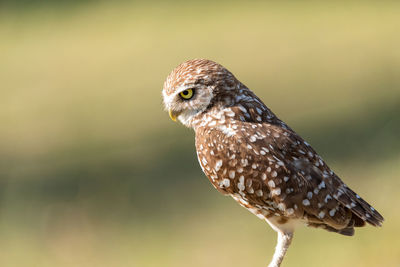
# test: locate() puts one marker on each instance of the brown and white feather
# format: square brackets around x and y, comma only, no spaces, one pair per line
[247,152]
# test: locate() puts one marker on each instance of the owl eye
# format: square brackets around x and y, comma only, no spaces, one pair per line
[187,94]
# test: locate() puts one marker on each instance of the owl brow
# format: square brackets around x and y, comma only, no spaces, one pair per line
[199,81]
[202,81]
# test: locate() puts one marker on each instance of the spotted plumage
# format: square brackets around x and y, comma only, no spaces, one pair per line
[250,154]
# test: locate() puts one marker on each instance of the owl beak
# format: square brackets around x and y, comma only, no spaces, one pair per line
[173,114]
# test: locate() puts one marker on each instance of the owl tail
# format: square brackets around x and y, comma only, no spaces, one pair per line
[362,211]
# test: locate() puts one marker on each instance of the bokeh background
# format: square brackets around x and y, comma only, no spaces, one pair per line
[94,173]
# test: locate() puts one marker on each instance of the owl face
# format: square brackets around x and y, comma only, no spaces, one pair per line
[187,101]
[194,86]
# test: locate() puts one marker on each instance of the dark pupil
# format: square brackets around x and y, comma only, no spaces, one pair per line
[185,92]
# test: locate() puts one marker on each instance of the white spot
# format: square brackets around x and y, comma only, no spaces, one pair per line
[241,186]
[332,212]
[327,198]
[254,166]
[218,165]
[274,174]
[269,169]
[265,149]
[321,214]
[226,182]
[306,202]
[339,193]
[230,113]
[271,183]
[289,211]
[253,139]
[259,193]
[231,174]
[243,109]
[229,131]
[321,185]
[240,170]
[286,178]
[309,195]
[263,176]
[281,206]
[276,191]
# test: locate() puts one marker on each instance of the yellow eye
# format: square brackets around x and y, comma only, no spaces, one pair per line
[187,94]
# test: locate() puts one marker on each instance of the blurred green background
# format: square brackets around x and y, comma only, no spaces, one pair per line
[94,173]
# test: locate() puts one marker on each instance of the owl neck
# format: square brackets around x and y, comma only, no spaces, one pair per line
[217,115]
[241,109]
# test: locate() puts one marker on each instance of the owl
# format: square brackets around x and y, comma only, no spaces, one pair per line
[248,153]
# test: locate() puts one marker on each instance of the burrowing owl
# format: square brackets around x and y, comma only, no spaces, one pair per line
[250,154]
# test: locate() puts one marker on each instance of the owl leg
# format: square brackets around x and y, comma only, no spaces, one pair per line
[284,240]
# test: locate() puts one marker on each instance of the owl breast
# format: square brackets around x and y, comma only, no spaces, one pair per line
[236,167]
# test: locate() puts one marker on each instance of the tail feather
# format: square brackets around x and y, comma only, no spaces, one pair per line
[374,215]
[359,207]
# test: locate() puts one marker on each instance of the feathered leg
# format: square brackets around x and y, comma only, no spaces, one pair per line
[284,240]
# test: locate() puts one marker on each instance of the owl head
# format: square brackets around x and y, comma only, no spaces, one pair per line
[195,86]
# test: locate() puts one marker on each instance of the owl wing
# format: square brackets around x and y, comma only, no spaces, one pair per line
[300,182]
